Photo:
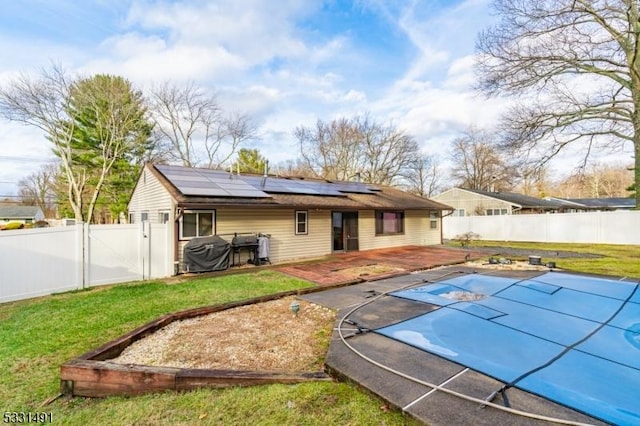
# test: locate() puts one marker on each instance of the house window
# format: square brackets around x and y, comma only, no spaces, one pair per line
[132,216]
[459,213]
[163,217]
[197,224]
[496,212]
[433,220]
[389,222]
[301,222]
[144,216]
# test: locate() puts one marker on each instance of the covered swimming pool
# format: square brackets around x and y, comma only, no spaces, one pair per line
[572,339]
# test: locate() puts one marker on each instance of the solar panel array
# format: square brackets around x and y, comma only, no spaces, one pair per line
[209,183]
[217,183]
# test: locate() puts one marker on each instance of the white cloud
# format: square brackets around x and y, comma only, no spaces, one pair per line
[23,150]
[255,30]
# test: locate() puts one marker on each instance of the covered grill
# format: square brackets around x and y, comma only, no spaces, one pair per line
[205,254]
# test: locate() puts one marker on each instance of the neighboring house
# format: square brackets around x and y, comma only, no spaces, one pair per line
[21,214]
[304,217]
[595,204]
[474,202]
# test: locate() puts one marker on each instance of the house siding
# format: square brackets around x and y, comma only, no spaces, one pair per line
[284,244]
[151,197]
[470,201]
[417,231]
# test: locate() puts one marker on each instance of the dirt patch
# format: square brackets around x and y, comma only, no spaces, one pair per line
[513,266]
[366,270]
[263,336]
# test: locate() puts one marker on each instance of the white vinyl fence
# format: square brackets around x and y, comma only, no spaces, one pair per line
[37,262]
[615,227]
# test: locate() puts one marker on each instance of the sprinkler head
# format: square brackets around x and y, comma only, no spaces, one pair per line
[295,308]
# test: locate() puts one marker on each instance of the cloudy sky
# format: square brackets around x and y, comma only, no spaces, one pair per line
[286,63]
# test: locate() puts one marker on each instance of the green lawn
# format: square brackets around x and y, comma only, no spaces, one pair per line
[39,335]
[616,260]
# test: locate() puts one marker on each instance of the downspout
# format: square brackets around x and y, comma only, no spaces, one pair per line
[176,237]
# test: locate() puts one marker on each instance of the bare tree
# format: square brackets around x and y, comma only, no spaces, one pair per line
[534,180]
[552,49]
[424,177]
[388,152]
[346,148]
[297,167]
[194,128]
[597,180]
[39,189]
[44,103]
[479,164]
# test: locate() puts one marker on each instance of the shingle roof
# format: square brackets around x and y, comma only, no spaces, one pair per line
[612,202]
[18,212]
[377,196]
[521,200]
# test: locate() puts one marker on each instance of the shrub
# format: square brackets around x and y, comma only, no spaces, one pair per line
[466,238]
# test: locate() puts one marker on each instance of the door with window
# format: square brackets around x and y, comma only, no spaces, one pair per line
[345,231]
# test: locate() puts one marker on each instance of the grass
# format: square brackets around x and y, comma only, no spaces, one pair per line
[38,335]
[616,260]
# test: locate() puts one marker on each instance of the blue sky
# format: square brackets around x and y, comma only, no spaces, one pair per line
[286,63]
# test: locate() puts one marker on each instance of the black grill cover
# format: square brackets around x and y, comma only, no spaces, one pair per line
[206,254]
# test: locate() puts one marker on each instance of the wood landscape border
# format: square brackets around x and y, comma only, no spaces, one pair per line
[93,375]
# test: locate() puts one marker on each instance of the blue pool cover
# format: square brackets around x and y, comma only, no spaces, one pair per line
[572,339]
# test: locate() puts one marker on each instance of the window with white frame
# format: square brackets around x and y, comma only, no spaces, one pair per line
[459,213]
[197,224]
[302,225]
[132,217]
[144,216]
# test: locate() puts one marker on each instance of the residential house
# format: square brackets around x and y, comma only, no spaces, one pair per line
[21,214]
[474,202]
[304,217]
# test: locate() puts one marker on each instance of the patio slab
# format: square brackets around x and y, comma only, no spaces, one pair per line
[354,267]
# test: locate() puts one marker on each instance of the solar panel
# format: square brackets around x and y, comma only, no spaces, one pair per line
[353,187]
[216,182]
[204,182]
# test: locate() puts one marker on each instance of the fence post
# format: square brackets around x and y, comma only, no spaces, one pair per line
[79,255]
[86,278]
[146,246]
